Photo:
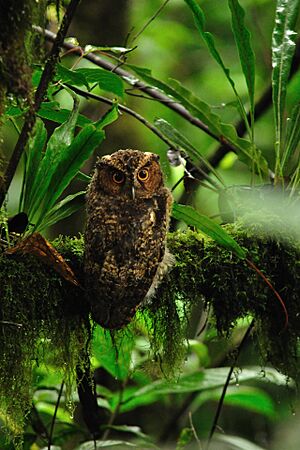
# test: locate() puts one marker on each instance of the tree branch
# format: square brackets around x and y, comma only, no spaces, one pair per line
[30,116]
[125,109]
[132,81]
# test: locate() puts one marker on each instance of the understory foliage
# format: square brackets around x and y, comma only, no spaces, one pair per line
[234,275]
[42,314]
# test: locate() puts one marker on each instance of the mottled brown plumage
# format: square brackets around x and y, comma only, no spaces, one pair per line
[128,210]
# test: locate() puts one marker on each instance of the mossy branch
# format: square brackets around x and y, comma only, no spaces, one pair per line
[30,116]
[46,306]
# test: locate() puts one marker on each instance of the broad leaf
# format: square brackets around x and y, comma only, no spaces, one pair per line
[191,217]
[246,397]
[223,132]
[59,141]
[65,167]
[34,152]
[70,76]
[208,379]
[108,81]
[283,48]
[115,363]
[52,111]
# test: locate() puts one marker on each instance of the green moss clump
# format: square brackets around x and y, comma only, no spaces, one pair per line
[39,311]
[37,305]
[17,47]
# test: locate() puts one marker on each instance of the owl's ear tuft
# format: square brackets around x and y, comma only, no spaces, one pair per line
[153,156]
[102,161]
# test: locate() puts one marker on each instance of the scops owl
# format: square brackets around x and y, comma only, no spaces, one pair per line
[128,211]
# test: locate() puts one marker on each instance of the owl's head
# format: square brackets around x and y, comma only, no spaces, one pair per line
[129,174]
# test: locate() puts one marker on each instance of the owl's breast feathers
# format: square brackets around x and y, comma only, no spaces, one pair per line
[124,247]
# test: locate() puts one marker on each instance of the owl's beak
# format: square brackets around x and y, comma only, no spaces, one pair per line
[133,192]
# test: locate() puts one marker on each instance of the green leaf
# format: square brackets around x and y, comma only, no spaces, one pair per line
[235,442]
[182,142]
[83,177]
[95,445]
[52,111]
[208,379]
[191,217]
[72,77]
[109,117]
[292,136]
[59,141]
[63,209]
[243,41]
[246,151]
[283,48]
[246,397]
[14,111]
[68,164]
[185,438]
[34,152]
[199,19]
[108,81]
[104,352]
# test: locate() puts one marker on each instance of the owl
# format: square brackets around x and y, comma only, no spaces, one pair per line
[128,212]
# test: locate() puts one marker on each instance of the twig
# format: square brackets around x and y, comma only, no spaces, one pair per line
[277,295]
[115,412]
[225,387]
[7,322]
[156,14]
[30,116]
[54,415]
[37,424]
[137,84]
[125,109]
[194,431]
[88,399]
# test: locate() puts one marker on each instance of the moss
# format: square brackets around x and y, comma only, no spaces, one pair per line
[47,307]
[17,46]
[36,318]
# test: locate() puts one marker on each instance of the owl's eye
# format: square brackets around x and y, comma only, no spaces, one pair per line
[118,177]
[143,175]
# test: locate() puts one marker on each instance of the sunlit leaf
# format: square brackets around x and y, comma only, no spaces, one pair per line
[116,50]
[191,217]
[283,48]
[104,350]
